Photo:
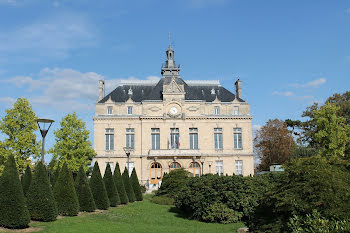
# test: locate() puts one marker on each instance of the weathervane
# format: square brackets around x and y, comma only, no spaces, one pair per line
[169,38]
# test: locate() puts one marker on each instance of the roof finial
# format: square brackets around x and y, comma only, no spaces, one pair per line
[169,38]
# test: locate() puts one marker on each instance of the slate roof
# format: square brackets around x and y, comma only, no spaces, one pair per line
[149,92]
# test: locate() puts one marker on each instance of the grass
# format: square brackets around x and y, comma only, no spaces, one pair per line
[142,216]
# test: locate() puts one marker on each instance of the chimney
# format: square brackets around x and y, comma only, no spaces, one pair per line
[101,89]
[238,89]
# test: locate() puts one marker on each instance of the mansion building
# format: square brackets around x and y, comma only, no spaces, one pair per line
[158,126]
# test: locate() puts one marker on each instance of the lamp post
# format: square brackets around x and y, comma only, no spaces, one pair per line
[44,126]
[202,162]
[127,152]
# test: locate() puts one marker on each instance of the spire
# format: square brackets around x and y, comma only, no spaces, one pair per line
[169,68]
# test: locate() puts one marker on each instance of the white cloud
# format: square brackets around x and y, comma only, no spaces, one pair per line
[10,2]
[312,84]
[286,93]
[7,100]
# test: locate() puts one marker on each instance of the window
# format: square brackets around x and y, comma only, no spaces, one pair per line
[109,139]
[130,136]
[155,138]
[218,138]
[216,110]
[239,167]
[237,138]
[219,167]
[174,165]
[130,167]
[194,169]
[235,110]
[193,138]
[129,110]
[109,110]
[174,138]
[111,165]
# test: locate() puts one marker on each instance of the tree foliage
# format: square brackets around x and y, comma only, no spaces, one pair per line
[41,203]
[13,208]
[134,180]
[274,144]
[173,182]
[82,187]
[64,192]
[26,180]
[111,189]
[19,126]
[72,144]
[120,185]
[127,184]
[98,189]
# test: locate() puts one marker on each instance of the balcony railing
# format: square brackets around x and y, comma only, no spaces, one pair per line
[174,152]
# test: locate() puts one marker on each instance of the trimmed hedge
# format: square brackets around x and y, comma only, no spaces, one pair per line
[98,189]
[26,180]
[54,175]
[112,192]
[173,182]
[128,188]
[41,203]
[134,180]
[82,188]
[120,185]
[65,195]
[13,208]
[162,200]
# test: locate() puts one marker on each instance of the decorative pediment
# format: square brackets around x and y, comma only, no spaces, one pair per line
[109,101]
[173,87]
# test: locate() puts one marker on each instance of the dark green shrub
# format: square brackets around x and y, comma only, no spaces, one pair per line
[64,193]
[98,189]
[173,182]
[218,212]
[82,187]
[128,188]
[26,180]
[112,192]
[162,200]
[120,185]
[134,180]
[143,188]
[13,208]
[41,203]
[54,175]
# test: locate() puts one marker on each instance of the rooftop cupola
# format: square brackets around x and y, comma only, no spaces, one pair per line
[169,68]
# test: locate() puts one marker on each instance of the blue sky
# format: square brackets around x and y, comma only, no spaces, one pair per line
[288,54]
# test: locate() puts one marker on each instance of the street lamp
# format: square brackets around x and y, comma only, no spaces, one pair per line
[202,162]
[127,152]
[44,126]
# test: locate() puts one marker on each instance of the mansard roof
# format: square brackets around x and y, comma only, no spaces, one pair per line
[142,92]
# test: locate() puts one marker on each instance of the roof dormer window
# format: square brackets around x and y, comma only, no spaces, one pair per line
[130,91]
[213,91]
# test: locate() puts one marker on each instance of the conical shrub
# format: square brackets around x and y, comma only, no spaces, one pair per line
[26,180]
[41,203]
[64,193]
[128,188]
[82,187]
[13,208]
[98,189]
[134,180]
[120,186]
[111,189]
[54,175]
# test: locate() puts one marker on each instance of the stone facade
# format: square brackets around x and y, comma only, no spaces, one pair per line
[171,123]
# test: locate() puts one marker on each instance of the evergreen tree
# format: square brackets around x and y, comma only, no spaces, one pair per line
[65,195]
[82,187]
[26,180]
[134,180]
[98,189]
[128,188]
[120,186]
[54,175]
[13,209]
[41,203]
[111,189]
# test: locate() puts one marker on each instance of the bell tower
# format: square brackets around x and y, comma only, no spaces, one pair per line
[169,68]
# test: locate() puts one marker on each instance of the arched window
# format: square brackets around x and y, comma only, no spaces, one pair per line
[156,173]
[194,169]
[174,165]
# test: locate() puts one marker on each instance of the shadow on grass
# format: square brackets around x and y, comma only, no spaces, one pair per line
[179,213]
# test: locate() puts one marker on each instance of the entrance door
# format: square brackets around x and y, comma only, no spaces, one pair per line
[156,173]
[194,169]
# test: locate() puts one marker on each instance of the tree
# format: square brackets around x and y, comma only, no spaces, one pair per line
[173,182]
[72,144]
[111,189]
[54,176]
[13,208]
[128,188]
[65,195]
[41,203]
[98,189]
[26,180]
[120,185]
[134,180]
[19,126]
[82,187]
[274,143]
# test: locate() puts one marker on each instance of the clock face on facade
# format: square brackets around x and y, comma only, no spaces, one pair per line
[173,110]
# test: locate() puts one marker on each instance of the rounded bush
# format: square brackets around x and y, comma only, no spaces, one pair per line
[82,187]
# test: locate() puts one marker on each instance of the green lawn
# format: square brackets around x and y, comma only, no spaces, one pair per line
[142,216]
